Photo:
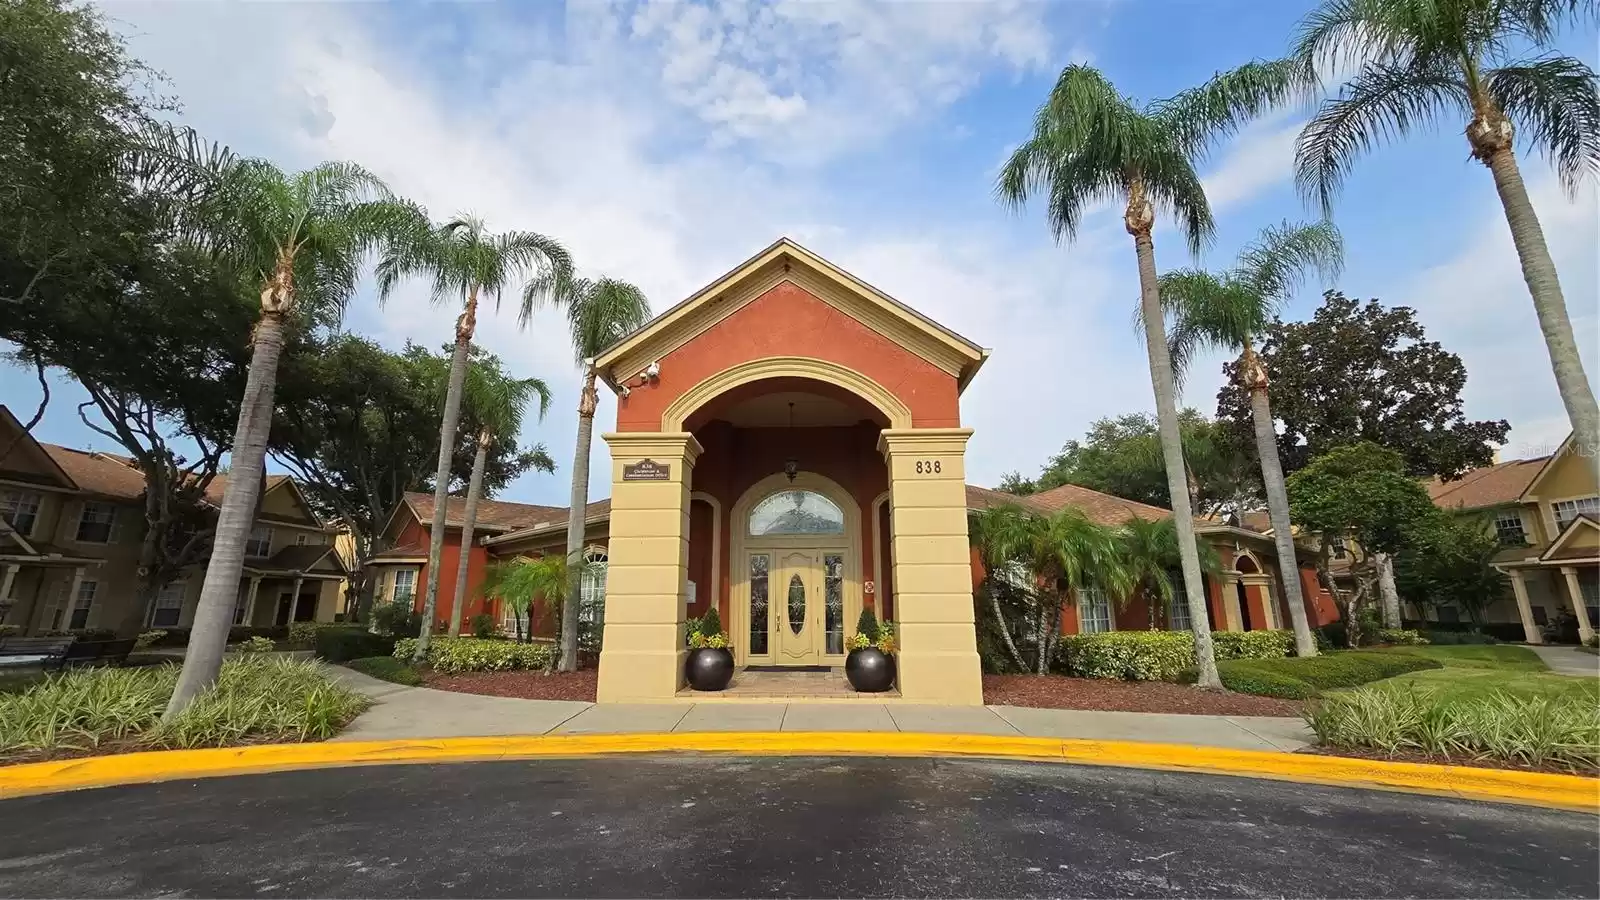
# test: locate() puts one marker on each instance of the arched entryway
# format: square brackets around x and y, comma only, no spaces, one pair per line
[797,551]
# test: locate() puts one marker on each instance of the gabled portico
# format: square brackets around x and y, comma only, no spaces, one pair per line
[789,448]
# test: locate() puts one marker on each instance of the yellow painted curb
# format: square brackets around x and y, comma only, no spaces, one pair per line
[1505,786]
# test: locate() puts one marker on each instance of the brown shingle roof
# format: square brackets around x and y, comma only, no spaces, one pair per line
[220,482]
[105,474]
[1101,508]
[1487,486]
[495,514]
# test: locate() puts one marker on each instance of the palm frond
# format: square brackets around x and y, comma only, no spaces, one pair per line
[1539,21]
[1200,117]
[1380,104]
[1282,256]
[543,263]
[1173,185]
[1206,313]
[1554,105]
[602,311]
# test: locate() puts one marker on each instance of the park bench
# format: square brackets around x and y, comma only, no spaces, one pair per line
[44,652]
[88,653]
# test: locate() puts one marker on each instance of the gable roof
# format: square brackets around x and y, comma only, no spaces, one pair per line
[493,515]
[104,474]
[26,444]
[598,511]
[785,260]
[1562,548]
[1485,486]
[1102,509]
[298,558]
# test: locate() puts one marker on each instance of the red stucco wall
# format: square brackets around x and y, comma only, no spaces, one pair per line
[789,321]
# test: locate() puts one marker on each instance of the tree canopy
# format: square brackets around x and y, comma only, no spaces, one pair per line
[1360,371]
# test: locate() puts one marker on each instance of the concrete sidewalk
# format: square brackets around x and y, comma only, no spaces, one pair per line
[408,712]
[1568,660]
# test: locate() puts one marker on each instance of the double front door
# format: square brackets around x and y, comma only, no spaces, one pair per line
[796,606]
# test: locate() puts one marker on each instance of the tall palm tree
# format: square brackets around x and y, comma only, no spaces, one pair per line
[600,312]
[497,402]
[467,263]
[1091,143]
[304,238]
[1150,553]
[1228,311]
[1422,60]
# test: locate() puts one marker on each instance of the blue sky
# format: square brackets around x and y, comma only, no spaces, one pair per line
[666,142]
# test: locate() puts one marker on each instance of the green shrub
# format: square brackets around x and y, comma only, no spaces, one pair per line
[397,618]
[484,626]
[1400,636]
[1248,676]
[1592,640]
[256,644]
[464,654]
[867,625]
[1129,655]
[9,630]
[1252,644]
[351,642]
[148,639]
[387,668]
[302,635]
[1347,668]
[255,697]
[1457,638]
[1534,731]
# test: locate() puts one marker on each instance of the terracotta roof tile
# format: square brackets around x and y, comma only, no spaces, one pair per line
[1487,486]
[500,514]
[404,551]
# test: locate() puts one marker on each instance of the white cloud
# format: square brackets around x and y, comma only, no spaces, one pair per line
[1260,158]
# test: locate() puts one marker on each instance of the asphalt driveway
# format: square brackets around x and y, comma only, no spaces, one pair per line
[779,827]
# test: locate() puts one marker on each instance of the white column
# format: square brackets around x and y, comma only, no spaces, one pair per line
[1530,628]
[294,601]
[6,581]
[250,602]
[1575,594]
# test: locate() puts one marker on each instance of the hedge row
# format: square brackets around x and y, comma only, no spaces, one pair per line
[1162,655]
[387,668]
[466,654]
[1298,679]
[347,642]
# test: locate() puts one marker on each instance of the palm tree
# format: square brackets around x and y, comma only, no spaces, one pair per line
[1229,311]
[998,534]
[600,312]
[1150,554]
[304,238]
[521,581]
[497,402]
[1421,60]
[467,263]
[1090,143]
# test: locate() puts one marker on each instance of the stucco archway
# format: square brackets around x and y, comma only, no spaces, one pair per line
[879,397]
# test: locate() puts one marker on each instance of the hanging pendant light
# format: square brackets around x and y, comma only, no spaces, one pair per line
[791,466]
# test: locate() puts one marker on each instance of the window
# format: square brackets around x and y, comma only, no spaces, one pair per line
[1567,510]
[80,606]
[169,605]
[260,543]
[20,509]
[1508,528]
[1449,614]
[405,585]
[1340,550]
[1178,608]
[760,609]
[96,522]
[796,512]
[300,540]
[833,602]
[239,604]
[1589,588]
[1094,611]
[592,588]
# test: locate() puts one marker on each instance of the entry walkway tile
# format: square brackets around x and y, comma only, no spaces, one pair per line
[1209,731]
[733,717]
[948,719]
[837,717]
[621,718]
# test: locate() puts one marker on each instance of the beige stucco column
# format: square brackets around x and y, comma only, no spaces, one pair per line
[250,602]
[641,656]
[1530,628]
[8,576]
[938,657]
[294,600]
[1575,594]
[1230,602]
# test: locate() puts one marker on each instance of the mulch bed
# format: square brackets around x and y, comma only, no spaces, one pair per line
[1060,692]
[1413,756]
[523,684]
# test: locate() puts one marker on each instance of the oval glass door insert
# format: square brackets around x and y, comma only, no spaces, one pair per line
[797,604]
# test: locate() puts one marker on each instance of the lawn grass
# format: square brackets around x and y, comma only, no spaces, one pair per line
[1505,657]
[1458,683]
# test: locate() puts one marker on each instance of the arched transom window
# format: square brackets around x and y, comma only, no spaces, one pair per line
[796,512]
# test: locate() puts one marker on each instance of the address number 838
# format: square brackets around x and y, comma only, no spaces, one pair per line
[929,466]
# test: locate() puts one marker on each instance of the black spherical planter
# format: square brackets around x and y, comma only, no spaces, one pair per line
[870,670]
[709,668]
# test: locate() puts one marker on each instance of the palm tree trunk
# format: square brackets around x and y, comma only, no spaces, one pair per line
[1005,633]
[441,483]
[1539,271]
[469,517]
[587,402]
[213,616]
[1390,607]
[1278,512]
[1140,218]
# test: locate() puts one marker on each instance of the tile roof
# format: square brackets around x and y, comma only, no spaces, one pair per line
[299,558]
[500,514]
[106,474]
[1101,508]
[404,551]
[1487,486]
[219,483]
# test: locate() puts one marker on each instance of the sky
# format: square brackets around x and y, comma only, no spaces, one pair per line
[666,142]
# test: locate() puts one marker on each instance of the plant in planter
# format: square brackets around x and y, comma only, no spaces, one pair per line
[710,663]
[870,665]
